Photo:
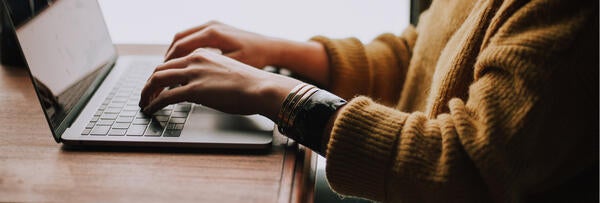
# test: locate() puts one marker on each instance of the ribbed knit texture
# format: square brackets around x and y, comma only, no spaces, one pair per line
[484,101]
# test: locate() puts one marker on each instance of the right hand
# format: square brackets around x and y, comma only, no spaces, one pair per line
[249,48]
[213,80]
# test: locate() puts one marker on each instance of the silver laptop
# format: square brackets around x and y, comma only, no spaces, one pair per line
[90,96]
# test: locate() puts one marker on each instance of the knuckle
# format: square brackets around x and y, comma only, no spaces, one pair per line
[214,22]
[188,73]
[209,33]
[193,74]
[152,79]
[160,67]
[194,86]
[156,78]
[197,56]
[177,45]
[212,31]
[178,36]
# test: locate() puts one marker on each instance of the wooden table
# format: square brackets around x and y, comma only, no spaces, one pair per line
[35,168]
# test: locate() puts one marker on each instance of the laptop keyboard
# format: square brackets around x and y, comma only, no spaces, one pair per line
[120,115]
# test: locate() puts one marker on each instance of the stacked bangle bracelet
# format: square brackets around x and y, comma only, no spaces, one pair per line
[298,95]
[305,113]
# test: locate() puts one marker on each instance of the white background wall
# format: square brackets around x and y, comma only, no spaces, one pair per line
[156,21]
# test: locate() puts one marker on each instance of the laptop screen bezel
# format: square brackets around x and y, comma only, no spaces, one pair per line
[71,116]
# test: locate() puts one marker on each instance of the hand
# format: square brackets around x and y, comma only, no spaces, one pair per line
[307,59]
[250,48]
[216,81]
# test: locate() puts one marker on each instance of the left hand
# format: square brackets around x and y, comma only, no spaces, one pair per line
[216,81]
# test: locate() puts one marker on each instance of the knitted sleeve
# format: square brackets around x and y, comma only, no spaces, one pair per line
[376,69]
[489,146]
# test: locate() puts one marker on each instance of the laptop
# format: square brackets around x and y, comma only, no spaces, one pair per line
[90,95]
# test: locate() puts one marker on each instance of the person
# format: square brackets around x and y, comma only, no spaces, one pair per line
[482,101]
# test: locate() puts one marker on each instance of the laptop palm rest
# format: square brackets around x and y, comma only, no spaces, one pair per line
[211,126]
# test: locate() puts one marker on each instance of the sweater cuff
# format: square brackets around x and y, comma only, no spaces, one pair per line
[360,150]
[348,66]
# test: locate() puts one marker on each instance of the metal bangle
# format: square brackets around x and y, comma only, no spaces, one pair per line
[287,100]
[299,105]
[293,103]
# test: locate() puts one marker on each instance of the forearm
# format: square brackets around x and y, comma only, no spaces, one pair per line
[307,59]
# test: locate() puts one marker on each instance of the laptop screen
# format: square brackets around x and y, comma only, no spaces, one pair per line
[68,51]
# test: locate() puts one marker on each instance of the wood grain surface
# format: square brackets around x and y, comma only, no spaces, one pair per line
[35,168]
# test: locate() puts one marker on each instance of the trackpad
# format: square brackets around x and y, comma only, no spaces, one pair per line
[205,121]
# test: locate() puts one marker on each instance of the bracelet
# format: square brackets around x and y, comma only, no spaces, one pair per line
[304,114]
[287,100]
[291,101]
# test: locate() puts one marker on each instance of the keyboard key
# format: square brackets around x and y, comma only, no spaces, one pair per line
[172,133]
[141,121]
[131,108]
[119,99]
[174,126]
[100,130]
[128,113]
[86,131]
[162,112]
[115,110]
[90,125]
[154,130]
[120,126]
[104,122]
[98,113]
[124,119]
[161,118]
[117,132]
[116,105]
[102,107]
[128,87]
[171,125]
[109,116]
[136,96]
[141,115]
[95,118]
[179,114]
[177,120]
[136,130]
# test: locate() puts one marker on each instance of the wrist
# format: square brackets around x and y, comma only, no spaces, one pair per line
[307,59]
[271,93]
[282,52]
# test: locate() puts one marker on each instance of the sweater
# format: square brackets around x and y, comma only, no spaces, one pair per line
[483,101]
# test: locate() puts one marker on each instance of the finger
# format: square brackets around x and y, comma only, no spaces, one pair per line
[177,63]
[190,31]
[167,97]
[186,45]
[158,81]
[214,50]
[183,62]
[234,55]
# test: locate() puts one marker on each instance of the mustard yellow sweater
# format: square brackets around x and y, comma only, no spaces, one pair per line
[483,101]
